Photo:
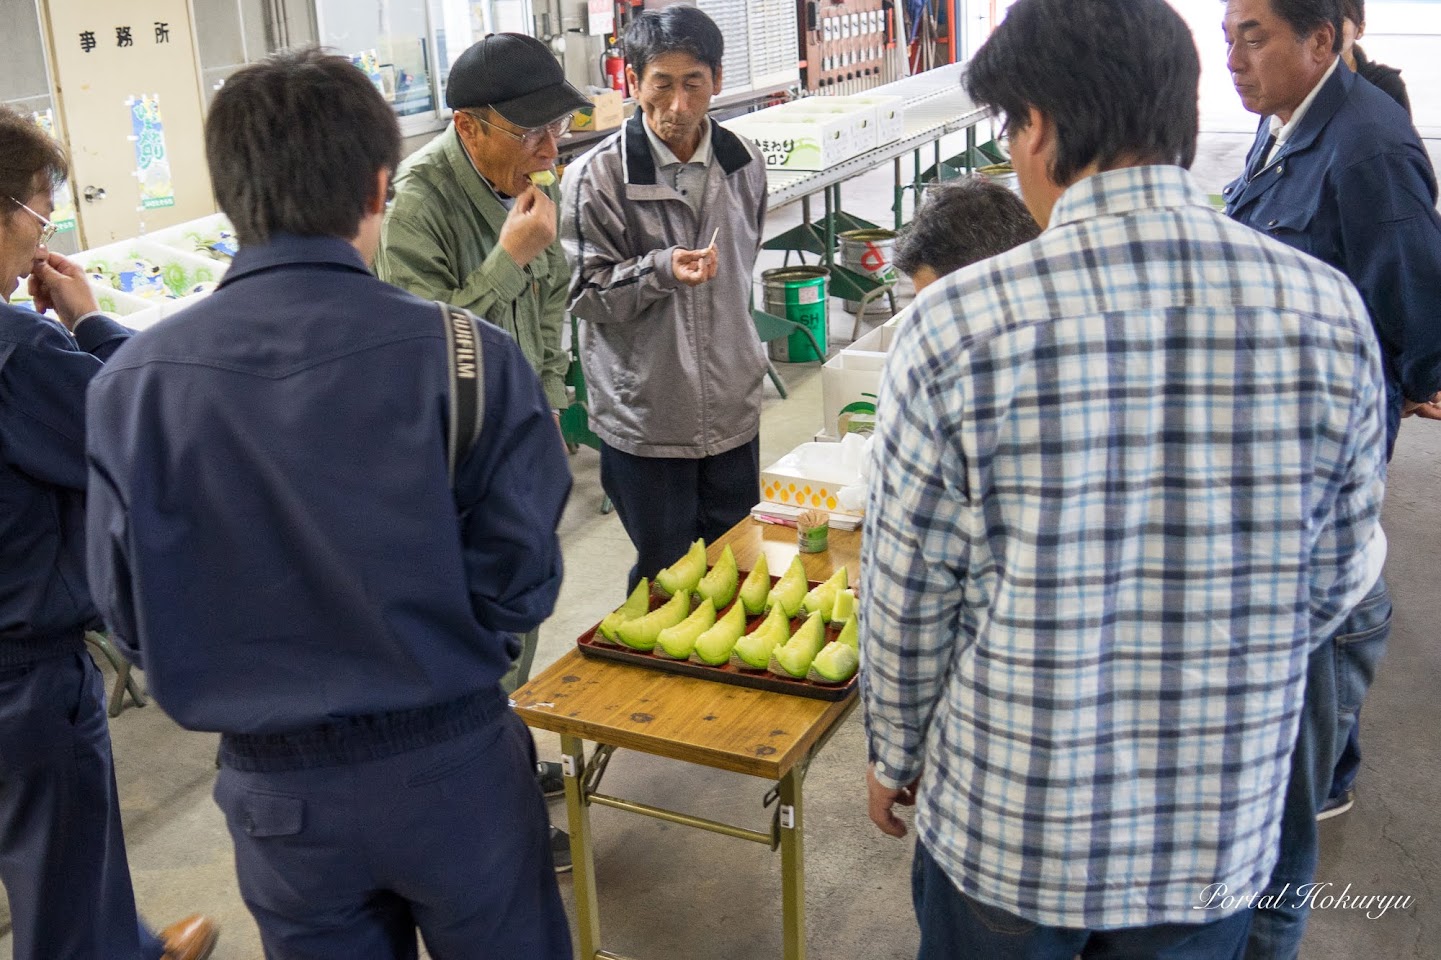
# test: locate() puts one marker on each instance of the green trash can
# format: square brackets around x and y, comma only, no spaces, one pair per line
[799,295]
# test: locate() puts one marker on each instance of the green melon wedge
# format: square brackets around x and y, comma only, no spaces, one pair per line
[676,642]
[641,633]
[836,663]
[636,605]
[757,587]
[683,575]
[719,586]
[793,659]
[845,606]
[822,599]
[753,651]
[851,634]
[714,647]
[790,590]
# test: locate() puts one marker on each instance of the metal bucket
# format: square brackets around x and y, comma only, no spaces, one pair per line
[1004,174]
[872,253]
[799,295]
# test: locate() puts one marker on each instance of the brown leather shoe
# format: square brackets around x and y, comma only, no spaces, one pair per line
[190,939]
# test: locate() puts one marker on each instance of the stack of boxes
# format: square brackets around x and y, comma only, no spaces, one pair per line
[814,133]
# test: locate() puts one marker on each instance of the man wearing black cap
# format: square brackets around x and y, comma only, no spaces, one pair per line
[470,228]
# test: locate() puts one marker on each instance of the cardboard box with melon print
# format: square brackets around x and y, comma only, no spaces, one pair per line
[812,476]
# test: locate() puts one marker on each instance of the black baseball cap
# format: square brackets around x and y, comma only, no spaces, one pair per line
[515,75]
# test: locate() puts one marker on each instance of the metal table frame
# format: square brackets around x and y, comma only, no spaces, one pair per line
[763,734]
[786,834]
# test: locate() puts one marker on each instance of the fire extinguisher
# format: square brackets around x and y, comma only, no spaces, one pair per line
[613,66]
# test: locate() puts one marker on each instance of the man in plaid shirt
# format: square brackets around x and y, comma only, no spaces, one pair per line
[1126,476]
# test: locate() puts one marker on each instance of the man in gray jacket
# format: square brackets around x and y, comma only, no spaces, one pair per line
[670,353]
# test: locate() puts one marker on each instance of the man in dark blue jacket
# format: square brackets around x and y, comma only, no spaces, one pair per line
[1338,172]
[274,533]
[62,847]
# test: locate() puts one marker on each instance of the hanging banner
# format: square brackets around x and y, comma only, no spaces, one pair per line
[63,215]
[152,163]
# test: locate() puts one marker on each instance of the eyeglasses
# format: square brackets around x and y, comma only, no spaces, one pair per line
[559,129]
[47,229]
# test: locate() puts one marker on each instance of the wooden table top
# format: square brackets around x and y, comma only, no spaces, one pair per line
[756,732]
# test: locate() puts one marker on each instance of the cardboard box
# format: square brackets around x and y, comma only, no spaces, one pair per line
[862,123]
[811,475]
[794,142]
[850,384]
[606,112]
[890,113]
[851,381]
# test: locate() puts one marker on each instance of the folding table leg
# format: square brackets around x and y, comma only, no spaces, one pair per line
[793,867]
[587,909]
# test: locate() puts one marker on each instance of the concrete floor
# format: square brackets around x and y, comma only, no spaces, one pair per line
[669,892]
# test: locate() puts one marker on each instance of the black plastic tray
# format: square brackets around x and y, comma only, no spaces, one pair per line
[727,673]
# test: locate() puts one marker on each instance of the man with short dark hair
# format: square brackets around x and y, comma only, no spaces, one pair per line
[1338,172]
[1092,574]
[961,222]
[277,535]
[662,223]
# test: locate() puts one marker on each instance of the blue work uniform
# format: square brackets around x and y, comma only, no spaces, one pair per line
[275,537]
[62,849]
[1354,187]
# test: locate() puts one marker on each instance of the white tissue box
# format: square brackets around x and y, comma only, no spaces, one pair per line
[813,475]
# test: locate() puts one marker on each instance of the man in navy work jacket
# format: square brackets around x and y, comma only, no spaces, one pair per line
[62,846]
[274,533]
[1337,172]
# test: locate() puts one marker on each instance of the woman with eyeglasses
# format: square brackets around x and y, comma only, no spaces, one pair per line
[62,854]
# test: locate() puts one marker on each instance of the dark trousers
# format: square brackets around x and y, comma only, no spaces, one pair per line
[665,503]
[1337,677]
[957,927]
[62,850]
[348,861]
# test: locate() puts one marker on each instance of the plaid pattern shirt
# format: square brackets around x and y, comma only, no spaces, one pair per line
[1125,477]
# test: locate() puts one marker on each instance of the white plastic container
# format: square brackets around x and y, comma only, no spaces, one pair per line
[131,311]
[205,237]
[179,274]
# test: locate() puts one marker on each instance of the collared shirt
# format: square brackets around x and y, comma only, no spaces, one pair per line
[686,178]
[1123,476]
[1282,131]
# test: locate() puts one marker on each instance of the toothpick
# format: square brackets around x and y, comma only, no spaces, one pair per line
[712,239]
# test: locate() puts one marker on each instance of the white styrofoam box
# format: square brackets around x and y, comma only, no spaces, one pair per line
[192,237]
[794,142]
[135,312]
[880,339]
[132,311]
[813,475]
[850,383]
[862,119]
[180,272]
[851,380]
[890,113]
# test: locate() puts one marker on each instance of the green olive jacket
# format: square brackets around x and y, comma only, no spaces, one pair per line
[441,241]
